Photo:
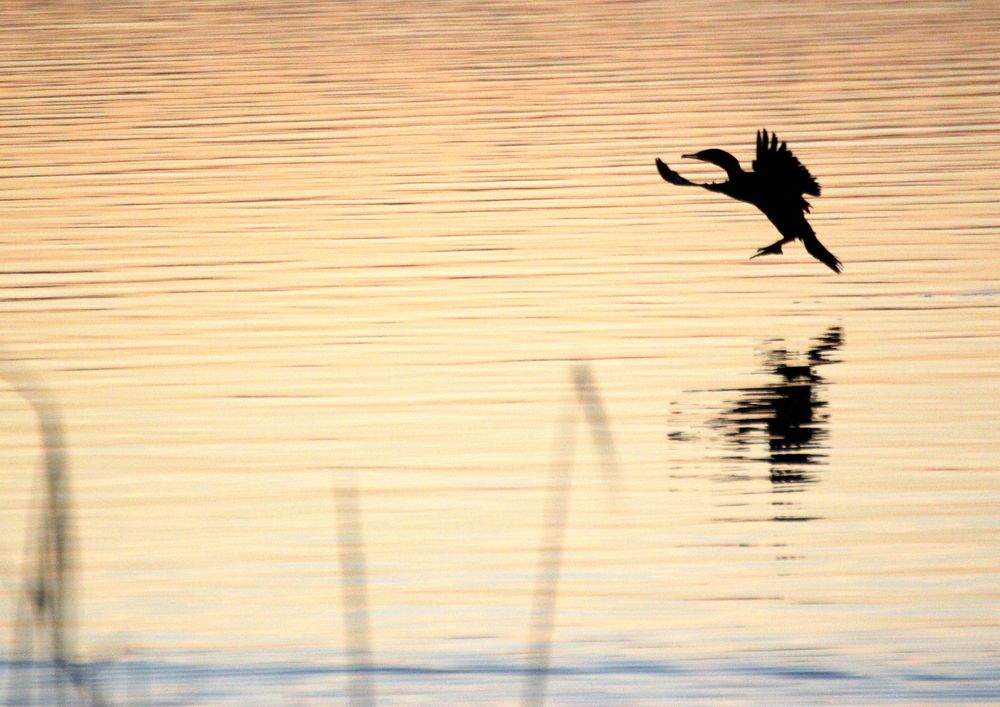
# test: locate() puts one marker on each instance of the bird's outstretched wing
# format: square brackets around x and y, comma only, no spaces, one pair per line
[776,163]
[672,176]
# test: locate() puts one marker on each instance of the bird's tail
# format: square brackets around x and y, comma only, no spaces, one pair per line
[819,251]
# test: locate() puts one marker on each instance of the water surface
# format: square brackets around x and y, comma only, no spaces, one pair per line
[261,253]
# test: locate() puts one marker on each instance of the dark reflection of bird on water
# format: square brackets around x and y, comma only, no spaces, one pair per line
[775,186]
[788,412]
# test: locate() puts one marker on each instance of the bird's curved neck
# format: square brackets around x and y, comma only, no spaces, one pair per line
[729,163]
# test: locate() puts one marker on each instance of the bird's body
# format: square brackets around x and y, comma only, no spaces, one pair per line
[776,186]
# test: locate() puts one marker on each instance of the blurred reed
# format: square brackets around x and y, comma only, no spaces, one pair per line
[44,633]
[554,523]
[360,687]
[45,625]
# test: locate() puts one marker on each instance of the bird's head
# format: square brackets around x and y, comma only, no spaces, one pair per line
[717,157]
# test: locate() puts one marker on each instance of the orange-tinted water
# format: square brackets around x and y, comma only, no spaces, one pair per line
[257,253]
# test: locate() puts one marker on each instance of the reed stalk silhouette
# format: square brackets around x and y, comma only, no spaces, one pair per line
[360,687]
[45,606]
[554,522]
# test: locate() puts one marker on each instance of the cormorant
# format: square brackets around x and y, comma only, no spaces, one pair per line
[775,186]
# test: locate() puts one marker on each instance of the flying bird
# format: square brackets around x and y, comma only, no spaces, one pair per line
[775,186]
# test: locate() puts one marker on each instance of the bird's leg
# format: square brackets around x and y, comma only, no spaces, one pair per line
[773,249]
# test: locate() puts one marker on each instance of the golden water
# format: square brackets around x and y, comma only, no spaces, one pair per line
[259,252]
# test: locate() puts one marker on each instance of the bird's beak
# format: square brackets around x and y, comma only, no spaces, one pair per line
[691,157]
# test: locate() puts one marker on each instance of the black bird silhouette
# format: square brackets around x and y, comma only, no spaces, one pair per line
[775,186]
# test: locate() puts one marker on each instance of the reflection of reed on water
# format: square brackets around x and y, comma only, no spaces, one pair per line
[789,412]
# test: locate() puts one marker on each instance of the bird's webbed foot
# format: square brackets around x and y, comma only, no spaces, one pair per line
[773,249]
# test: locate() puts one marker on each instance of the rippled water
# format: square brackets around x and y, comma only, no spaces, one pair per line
[259,253]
